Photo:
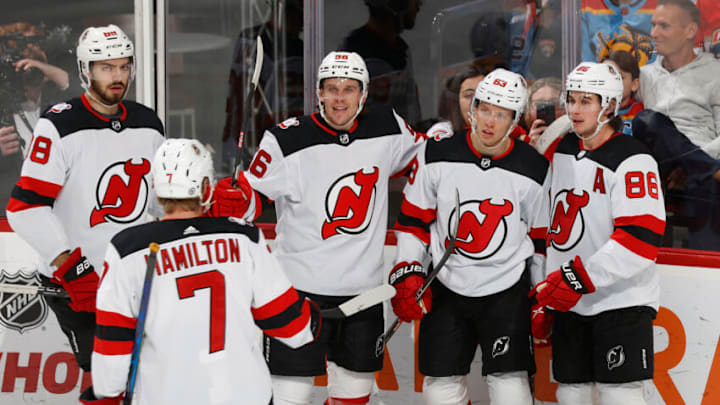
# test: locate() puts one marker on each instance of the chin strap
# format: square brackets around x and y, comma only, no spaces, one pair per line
[599,126]
[321,107]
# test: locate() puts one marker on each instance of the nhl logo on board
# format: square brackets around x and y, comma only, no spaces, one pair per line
[344,139]
[485,163]
[116,125]
[21,312]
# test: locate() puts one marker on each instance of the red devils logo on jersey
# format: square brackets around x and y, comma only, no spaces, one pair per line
[121,193]
[482,229]
[349,203]
[568,224]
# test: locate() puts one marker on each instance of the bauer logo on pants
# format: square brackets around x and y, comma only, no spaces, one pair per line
[21,312]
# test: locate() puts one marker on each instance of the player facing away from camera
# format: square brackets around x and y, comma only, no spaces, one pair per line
[86,177]
[214,282]
[328,174]
[480,295]
[607,223]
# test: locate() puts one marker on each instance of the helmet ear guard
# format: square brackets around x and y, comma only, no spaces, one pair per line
[179,168]
[348,65]
[102,43]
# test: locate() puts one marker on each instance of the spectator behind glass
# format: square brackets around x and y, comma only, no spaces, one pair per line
[286,91]
[546,53]
[543,94]
[387,55]
[27,83]
[456,105]
[628,67]
[681,123]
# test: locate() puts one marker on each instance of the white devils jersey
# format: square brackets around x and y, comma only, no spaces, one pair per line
[214,284]
[607,208]
[503,214]
[85,178]
[331,194]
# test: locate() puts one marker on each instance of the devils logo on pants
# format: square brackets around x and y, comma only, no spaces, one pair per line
[121,193]
[566,231]
[349,203]
[479,239]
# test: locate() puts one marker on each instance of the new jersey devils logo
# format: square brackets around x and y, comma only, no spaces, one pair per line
[121,193]
[568,224]
[349,203]
[482,229]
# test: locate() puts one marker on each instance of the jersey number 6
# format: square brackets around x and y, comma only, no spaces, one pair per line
[215,281]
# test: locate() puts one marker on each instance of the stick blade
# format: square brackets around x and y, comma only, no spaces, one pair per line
[367,299]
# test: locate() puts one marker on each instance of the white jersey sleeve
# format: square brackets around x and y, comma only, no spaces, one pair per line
[417,212]
[537,209]
[42,178]
[270,172]
[639,222]
[408,145]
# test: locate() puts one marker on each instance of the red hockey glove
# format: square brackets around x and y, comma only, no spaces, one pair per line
[229,201]
[407,280]
[541,321]
[77,276]
[563,288]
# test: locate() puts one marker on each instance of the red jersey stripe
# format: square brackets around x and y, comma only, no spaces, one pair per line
[276,306]
[44,188]
[294,326]
[106,318]
[413,230]
[646,221]
[425,215]
[112,347]
[635,245]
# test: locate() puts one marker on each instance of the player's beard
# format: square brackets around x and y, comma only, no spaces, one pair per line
[105,95]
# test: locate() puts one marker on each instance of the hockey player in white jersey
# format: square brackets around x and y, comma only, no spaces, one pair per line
[328,174]
[86,176]
[214,282]
[608,218]
[480,295]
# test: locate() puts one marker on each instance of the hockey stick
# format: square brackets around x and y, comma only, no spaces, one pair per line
[360,303]
[385,338]
[239,163]
[140,326]
[33,290]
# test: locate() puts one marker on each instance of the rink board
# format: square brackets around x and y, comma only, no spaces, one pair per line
[36,364]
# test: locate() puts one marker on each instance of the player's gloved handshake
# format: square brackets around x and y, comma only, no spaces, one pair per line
[77,276]
[407,278]
[229,200]
[563,288]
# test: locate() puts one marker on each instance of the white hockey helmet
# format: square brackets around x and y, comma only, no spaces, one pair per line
[344,65]
[103,43]
[596,78]
[502,88]
[179,168]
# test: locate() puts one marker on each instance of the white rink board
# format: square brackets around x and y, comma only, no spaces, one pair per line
[36,365]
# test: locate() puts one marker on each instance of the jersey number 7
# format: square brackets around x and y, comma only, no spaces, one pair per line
[215,281]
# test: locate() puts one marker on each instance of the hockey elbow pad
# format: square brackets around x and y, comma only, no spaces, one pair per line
[77,276]
[563,288]
[408,278]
